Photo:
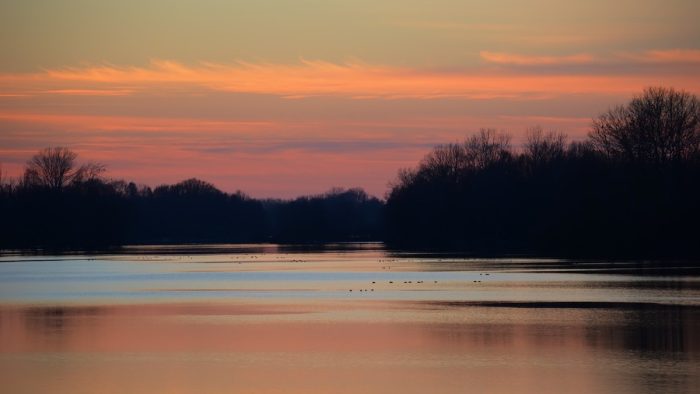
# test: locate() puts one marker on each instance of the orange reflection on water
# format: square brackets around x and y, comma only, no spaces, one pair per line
[345,347]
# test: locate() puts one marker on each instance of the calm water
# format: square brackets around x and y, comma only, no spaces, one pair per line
[347,319]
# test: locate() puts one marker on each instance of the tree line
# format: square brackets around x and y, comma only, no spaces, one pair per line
[631,188]
[58,204]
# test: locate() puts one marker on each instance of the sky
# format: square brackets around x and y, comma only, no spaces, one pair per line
[285,98]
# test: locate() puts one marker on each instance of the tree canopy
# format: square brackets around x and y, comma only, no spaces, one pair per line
[659,126]
[609,195]
[56,168]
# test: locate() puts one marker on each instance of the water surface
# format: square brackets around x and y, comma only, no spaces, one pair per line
[344,319]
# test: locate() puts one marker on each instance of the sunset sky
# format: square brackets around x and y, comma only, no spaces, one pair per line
[282,98]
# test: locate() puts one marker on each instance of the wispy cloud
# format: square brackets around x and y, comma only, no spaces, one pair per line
[667,56]
[131,123]
[510,58]
[90,92]
[262,126]
[355,80]
[683,56]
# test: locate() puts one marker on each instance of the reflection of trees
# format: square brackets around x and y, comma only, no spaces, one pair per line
[55,319]
[650,330]
[655,331]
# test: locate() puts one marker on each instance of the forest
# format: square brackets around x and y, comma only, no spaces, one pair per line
[94,213]
[630,189]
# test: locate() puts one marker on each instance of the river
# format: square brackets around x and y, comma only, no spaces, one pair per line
[347,318]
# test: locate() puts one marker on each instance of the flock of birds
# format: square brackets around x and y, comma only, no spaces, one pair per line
[284,257]
[391,282]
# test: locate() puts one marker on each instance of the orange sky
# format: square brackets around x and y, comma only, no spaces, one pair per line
[295,99]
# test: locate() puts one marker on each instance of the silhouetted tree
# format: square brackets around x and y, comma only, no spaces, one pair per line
[659,126]
[60,205]
[338,215]
[194,211]
[542,148]
[631,189]
[487,148]
[607,196]
[441,201]
[56,167]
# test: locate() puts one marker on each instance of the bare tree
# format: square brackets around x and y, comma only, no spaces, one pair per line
[56,168]
[659,126]
[487,147]
[89,171]
[3,187]
[404,178]
[7,184]
[453,161]
[541,147]
[445,161]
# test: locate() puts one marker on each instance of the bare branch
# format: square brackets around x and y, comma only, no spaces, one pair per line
[660,125]
[56,168]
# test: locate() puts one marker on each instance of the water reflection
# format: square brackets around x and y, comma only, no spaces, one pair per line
[81,325]
[55,318]
[252,248]
[599,348]
[662,332]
